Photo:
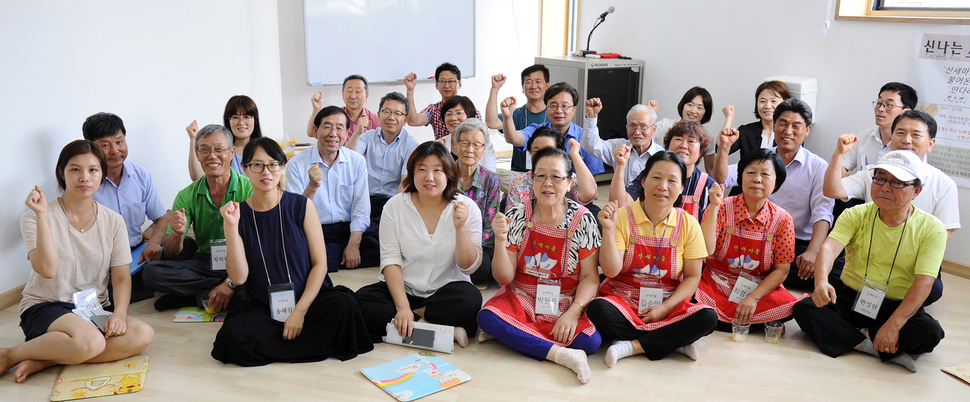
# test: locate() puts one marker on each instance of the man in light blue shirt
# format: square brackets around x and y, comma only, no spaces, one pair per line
[386,150]
[128,188]
[801,195]
[335,178]
[640,128]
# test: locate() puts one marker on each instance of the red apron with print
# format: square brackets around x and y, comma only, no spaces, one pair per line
[543,252]
[691,203]
[749,252]
[642,259]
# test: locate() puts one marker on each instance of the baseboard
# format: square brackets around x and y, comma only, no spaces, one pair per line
[956,268]
[11,297]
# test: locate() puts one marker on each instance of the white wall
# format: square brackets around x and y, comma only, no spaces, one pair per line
[158,65]
[730,47]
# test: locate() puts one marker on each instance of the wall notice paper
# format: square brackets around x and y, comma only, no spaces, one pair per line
[940,72]
[961,371]
[415,376]
[79,381]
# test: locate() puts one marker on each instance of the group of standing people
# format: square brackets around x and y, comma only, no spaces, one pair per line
[681,258]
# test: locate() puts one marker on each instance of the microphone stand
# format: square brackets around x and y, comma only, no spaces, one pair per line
[599,21]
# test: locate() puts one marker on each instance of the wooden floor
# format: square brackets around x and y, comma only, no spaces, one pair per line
[181,368]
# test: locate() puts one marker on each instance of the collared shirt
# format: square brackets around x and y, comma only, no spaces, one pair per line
[690,244]
[427,260]
[866,151]
[386,163]
[134,199]
[575,132]
[437,124]
[603,150]
[522,117]
[342,197]
[200,211]
[939,196]
[484,190]
[372,120]
[635,187]
[801,193]
[783,244]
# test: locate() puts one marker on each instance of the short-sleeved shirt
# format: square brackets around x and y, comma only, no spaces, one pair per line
[636,187]
[342,197]
[690,245]
[135,198]
[372,120]
[585,241]
[386,163]
[83,258]
[603,150]
[575,132]
[200,211]
[433,111]
[783,243]
[939,196]
[522,117]
[866,151]
[913,248]
[484,190]
[801,194]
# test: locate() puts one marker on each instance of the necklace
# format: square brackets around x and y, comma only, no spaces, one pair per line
[74,221]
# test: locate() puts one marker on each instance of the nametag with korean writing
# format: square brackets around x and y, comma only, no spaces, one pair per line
[869,299]
[547,296]
[219,252]
[651,293]
[743,287]
[282,301]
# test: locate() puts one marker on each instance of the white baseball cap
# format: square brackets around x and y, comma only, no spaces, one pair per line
[903,164]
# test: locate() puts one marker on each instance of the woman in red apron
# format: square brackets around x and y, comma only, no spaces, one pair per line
[689,140]
[751,245]
[553,243]
[645,303]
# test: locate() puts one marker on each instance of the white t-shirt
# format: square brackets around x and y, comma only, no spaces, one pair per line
[866,151]
[82,258]
[939,195]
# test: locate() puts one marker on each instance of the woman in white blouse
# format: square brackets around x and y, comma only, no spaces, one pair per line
[431,239]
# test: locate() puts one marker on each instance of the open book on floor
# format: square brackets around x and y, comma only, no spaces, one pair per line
[415,376]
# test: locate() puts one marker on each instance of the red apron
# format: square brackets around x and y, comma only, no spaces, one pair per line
[543,252]
[691,203]
[648,256]
[749,252]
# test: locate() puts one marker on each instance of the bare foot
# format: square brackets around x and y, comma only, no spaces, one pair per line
[28,367]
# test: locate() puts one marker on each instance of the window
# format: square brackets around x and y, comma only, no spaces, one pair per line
[916,11]
[924,5]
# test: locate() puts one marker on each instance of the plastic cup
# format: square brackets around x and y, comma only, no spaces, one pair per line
[209,309]
[773,331]
[740,331]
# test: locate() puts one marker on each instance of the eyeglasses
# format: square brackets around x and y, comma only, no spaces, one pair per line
[475,145]
[881,181]
[447,82]
[887,106]
[640,127]
[235,119]
[258,167]
[458,113]
[205,152]
[555,106]
[541,178]
[386,112]
[327,129]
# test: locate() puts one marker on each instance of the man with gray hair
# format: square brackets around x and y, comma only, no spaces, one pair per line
[640,128]
[187,283]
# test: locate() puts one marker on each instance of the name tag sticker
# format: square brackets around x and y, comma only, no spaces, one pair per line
[282,300]
[869,299]
[219,252]
[743,287]
[651,293]
[547,297]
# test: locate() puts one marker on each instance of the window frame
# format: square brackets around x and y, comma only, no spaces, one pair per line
[866,10]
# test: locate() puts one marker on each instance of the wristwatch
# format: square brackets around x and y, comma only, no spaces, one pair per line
[232,286]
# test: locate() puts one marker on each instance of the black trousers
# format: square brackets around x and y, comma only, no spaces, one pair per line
[484,272]
[834,328]
[337,235]
[658,343]
[794,282]
[376,209]
[456,304]
[835,278]
[333,326]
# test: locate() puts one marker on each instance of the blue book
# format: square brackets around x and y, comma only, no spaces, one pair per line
[415,376]
[135,256]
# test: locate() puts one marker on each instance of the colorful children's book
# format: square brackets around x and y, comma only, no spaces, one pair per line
[196,314]
[79,381]
[415,376]
[961,371]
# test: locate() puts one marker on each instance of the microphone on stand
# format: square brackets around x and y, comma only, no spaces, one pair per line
[599,20]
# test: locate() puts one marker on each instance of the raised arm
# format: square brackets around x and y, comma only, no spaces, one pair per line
[195,167]
[610,257]
[727,137]
[468,255]
[503,265]
[512,136]
[43,258]
[832,185]
[585,180]
[715,196]
[491,106]
[173,241]
[618,183]
[590,138]
[415,119]
[236,265]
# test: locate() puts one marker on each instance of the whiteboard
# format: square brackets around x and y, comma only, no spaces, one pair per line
[384,40]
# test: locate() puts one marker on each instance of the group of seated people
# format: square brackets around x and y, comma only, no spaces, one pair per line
[681,257]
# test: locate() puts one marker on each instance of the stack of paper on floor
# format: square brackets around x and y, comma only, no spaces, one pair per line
[79,381]
[415,376]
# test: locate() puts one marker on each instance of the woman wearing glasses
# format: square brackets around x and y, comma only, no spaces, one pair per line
[479,184]
[457,110]
[276,250]
[751,245]
[582,185]
[548,272]
[73,244]
[240,116]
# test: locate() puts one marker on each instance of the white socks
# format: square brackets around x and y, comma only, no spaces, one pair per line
[688,351]
[484,336]
[575,360]
[461,337]
[617,351]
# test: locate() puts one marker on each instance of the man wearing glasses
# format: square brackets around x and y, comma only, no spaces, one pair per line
[639,132]
[561,101]
[335,178]
[187,283]
[894,99]
[915,131]
[447,78]
[386,150]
